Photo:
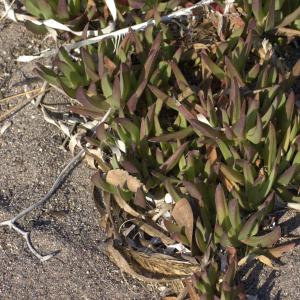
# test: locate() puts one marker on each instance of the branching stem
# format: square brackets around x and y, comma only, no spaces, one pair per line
[26,235]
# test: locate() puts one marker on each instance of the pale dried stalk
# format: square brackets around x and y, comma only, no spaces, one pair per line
[37,90]
[117,34]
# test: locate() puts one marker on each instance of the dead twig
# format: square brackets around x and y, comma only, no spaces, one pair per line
[26,235]
[39,91]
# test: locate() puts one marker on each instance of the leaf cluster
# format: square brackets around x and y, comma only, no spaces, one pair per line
[200,141]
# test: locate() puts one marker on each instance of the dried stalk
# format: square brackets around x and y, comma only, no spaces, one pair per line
[116,35]
[37,90]
[26,235]
[41,96]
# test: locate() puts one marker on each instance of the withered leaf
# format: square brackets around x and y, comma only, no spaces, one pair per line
[183,215]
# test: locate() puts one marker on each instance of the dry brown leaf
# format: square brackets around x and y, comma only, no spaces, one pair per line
[278,251]
[192,291]
[266,261]
[183,215]
[152,231]
[126,207]
[212,154]
[121,178]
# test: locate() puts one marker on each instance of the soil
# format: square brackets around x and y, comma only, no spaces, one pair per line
[30,161]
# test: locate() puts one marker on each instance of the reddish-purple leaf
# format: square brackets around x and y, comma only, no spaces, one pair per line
[62,9]
[194,191]
[233,72]
[174,136]
[139,198]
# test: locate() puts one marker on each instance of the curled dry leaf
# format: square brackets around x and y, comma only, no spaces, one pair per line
[121,178]
[266,261]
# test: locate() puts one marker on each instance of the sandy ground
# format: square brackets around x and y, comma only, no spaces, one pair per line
[30,161]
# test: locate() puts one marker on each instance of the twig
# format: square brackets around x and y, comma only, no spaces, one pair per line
[42,94]
[67,137]
[118,33]
[26,235]
[38,90]
[16,108]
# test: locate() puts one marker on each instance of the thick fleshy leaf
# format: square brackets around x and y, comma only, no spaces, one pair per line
[231,174]
[89,103]
[173,160]
[254,135]
[172,190]
[221,204]
[181,81]
[205,130]
[194,191]
[271,148]
[174,136]
[37,29]
[290,18]
[233,72]
[288,175]
[251,226]
[264,241]
[234,214]
[47,74]
[270,22]
[62,9]
[258,10]
[132,102]
[235,98]
[213,68]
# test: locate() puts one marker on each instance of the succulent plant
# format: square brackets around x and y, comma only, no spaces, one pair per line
[199,142]
[73,13]
[272,13]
